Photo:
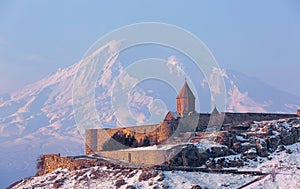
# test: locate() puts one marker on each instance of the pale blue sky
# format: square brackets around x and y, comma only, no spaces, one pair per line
[258,38]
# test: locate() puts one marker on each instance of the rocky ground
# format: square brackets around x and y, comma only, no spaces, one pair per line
[270,147]
[245,142]
[281,168]
[104,177]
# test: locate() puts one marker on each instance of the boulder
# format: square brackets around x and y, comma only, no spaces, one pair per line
[237,147]
[267,129]
[273,142]
[196,187]
[230,163]
[261,148]
[287,138]
[147,174]
[246,146]
[219,151]
[130,187]
[189,156]
[251,154]
[119,183]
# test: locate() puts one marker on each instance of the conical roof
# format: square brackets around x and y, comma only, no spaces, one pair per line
[215,111]
[186,92]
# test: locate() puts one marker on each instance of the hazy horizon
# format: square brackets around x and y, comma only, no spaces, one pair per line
[259,39]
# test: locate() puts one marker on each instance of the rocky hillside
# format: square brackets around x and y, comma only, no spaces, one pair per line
[271,147]
[244,142]
[282,167]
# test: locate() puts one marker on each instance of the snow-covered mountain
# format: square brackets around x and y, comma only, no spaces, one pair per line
[38,119]
[249,94]
[35,120]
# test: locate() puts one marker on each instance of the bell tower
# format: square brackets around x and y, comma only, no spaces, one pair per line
[185,100]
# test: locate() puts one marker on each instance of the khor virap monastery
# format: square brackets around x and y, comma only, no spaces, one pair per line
[154,144]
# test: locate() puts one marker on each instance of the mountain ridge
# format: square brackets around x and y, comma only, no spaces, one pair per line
[38,118]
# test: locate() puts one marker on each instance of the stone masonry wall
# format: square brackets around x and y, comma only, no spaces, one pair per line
[143,157]
[91,141]
[51,162]
[207,120]
[242,117]
[95,138]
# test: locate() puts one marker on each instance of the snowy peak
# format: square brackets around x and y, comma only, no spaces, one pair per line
[39,119]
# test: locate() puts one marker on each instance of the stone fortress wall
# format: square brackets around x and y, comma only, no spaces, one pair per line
[207,120]
[95,138]
[161,132]
[50,162]
[144,157]
[177,128]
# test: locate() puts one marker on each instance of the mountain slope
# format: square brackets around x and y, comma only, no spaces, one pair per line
[38,119]
[35,120]
[252,92]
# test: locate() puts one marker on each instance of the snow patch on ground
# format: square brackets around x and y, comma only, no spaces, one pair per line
[283,172]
